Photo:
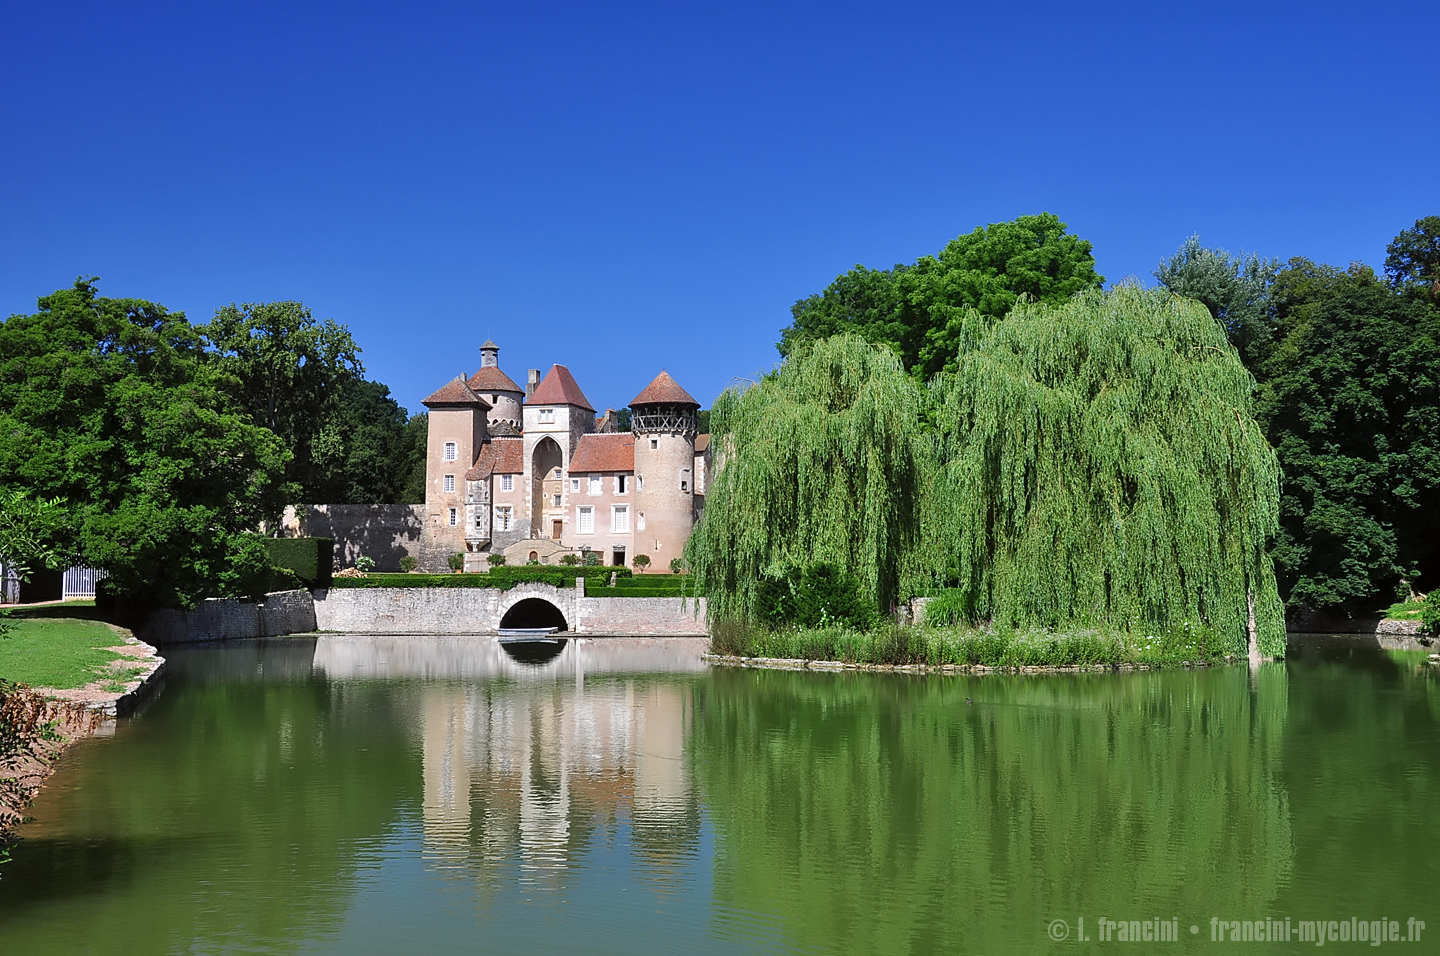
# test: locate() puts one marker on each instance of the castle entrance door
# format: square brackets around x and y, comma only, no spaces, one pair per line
[555,527]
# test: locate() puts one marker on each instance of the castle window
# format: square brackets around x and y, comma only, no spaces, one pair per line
[454,517]
[502,518]
[451,452]
[684,479]
[640,521]
[547,416]
[507,482]
[639,482]
[587,520]
[574,484]
[620,484]
[620,519]
[554,501]
[595,488]
[654,443]
[449,482]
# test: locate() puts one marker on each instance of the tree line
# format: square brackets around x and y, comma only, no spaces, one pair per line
[1052,454]
[162,445]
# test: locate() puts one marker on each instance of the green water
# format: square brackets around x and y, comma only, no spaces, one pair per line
[435,797]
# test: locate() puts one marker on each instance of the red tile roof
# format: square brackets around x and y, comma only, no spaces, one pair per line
[493,380]
[498,456]
[454,392]
[559,388]
[664,390]
[604,453]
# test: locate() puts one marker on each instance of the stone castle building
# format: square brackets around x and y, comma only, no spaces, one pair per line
[533,474]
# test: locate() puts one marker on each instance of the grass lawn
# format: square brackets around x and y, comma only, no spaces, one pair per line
[56,652]
[1405,611]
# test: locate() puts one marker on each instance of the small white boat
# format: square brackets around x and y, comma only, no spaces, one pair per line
[516,635]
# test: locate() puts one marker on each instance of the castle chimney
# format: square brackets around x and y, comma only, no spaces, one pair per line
[532,382]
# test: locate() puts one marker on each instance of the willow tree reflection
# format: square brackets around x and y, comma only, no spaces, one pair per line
[886,814]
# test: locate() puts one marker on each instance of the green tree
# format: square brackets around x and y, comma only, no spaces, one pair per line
[113,405]
[365,452]
[1236,290]
[821,462]
[28,530]
[289,373]
[1351,401]
[928,311]
[1102,465]
[1412,260]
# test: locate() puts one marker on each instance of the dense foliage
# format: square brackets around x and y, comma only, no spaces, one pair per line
[1351,400]
[1348,369]
[351,443]
[1090,464]
[113,405]
[927,311]
[1101,465]
[820,464]
[1235,289]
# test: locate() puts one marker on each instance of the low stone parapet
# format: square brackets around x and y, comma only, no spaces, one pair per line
[222,619]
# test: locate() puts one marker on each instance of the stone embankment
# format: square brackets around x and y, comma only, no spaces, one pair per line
[429,611]
[133,676]
[788,664]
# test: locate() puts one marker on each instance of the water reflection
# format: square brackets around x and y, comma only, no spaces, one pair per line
[370,796]
[534,771]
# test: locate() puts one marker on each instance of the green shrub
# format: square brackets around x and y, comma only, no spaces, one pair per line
[495,559]
[311,559]
[1430,615]
[678,566]
[949,608]
[248,573]
[818,596]
[248,570]
[503,578]
[456,561]
[592,559]
[641,561]
[407,563]
[570,559]
[364,564]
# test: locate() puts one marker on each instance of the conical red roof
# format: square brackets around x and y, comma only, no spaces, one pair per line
[559,388]
[454,392]
[664,390]
[491,379]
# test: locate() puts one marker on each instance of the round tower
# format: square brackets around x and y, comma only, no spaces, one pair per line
[504,396]
[664,424]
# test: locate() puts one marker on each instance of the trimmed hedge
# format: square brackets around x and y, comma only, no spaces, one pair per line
[503,578]
[311,559]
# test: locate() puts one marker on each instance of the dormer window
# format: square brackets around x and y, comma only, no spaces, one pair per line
[547,416]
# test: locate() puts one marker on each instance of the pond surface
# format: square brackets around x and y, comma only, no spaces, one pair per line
[433,796]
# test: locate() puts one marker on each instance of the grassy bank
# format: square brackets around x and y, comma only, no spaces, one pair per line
[992,647]
[60,653]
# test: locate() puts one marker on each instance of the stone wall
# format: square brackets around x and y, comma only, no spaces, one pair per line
[385,533]
[218,619]
[653,616]
[480,610]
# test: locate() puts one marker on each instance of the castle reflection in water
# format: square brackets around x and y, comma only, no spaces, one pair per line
[532,764]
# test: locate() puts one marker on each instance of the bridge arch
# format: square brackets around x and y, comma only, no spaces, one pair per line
[531,609]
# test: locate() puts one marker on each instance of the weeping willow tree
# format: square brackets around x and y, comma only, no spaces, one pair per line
[821,462]
[1101,465]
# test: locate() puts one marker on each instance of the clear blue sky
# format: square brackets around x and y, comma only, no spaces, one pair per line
[624,187]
